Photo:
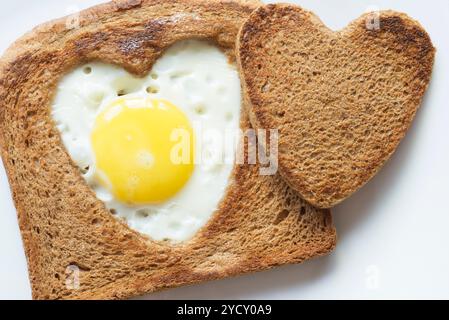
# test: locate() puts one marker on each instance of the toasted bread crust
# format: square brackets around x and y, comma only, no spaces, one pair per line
[260,223]
[342,100]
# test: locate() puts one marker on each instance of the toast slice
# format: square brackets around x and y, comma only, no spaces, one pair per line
[75,248]
[342,100]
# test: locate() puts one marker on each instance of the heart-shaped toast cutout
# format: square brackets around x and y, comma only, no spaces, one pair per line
[342,101]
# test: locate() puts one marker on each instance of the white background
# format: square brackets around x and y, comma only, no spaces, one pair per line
[393,234]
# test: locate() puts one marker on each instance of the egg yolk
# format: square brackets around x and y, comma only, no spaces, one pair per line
[144,149]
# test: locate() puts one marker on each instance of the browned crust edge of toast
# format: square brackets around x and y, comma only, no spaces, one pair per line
[261,222]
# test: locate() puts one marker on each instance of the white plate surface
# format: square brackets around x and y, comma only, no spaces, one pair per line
[393,234]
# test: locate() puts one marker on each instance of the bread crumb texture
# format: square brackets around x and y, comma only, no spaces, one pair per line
[75,248]
[341,100]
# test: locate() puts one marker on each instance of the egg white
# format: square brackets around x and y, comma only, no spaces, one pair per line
[195,76]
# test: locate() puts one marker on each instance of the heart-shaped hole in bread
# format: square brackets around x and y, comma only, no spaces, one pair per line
[125,134]
[341,100]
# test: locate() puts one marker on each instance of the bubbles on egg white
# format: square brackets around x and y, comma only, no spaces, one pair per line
[200,109]
[87,70]
[145,213]
[152,90]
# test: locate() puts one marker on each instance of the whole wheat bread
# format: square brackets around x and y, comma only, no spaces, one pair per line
[260,223]
[341,100]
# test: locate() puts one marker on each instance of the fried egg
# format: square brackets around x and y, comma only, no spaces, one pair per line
[128,135]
